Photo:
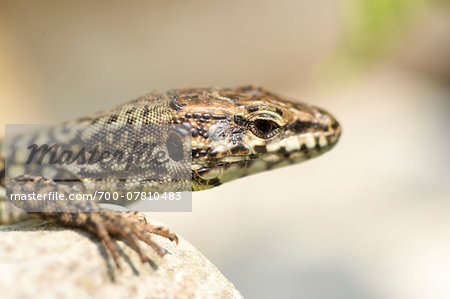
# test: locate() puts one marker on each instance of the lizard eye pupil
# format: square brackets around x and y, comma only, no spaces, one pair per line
[264,128]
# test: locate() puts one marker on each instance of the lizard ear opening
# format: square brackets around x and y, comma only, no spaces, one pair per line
[174,145]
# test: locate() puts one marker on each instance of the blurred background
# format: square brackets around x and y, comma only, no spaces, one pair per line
[370,219]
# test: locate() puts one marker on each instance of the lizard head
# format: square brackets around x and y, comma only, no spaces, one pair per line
[237,132]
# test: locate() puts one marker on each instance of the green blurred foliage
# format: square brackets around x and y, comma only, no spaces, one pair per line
[372,26]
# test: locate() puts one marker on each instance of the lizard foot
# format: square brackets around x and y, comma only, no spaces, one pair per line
[130,226]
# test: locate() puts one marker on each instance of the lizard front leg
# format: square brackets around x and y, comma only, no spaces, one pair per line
[89,216]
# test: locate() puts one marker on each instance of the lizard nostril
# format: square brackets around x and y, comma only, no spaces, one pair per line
[334,124]
[336,130]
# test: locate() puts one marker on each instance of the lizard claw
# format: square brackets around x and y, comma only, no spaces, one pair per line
[129,226]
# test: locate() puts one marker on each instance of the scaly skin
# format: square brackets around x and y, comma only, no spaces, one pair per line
[235,132]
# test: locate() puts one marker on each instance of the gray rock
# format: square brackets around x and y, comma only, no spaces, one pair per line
[41,260]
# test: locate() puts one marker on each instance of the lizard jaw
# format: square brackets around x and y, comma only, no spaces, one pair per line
[294,150]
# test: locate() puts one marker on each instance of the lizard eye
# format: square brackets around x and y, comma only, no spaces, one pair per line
[264,128]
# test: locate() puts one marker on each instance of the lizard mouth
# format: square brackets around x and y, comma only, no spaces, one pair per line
[288,151]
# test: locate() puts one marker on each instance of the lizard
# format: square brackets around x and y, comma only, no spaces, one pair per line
[234,133]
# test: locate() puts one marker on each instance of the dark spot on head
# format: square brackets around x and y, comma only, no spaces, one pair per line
[300,126]
[194,132]
[239,149]
[197,115]
[260,149]
[239,120]
[212,153]
[219,116]
[252,109]
[188,115]
[279,111]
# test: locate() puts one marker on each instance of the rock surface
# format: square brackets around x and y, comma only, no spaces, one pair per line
[40,260]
